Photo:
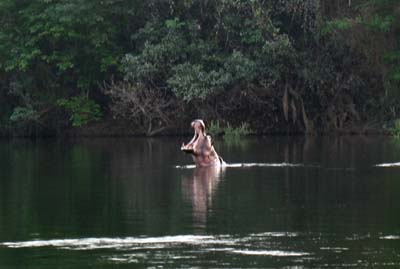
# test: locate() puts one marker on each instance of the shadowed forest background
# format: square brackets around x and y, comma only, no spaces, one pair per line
[119,67]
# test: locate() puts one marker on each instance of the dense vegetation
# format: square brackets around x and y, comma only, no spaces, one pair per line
[120,67]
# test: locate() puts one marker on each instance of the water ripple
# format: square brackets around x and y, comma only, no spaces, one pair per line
[243,165]
[388,165]
[390,237]
[276,253]
[257,244]
[280,247]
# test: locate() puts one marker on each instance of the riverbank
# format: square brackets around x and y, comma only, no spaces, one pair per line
[121,128]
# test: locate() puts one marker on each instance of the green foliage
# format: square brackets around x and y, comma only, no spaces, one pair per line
[60,47]
[24,115]
[174,24]
[178,58]
[61,35]
[175,55]
[337,24]
[276,58]
[162,47]
[279,65]
[236,132]
[215,128]
[83,110]
[381,23]
[232,136]
[228,131]
[396,128]
[240,68]
[191,82]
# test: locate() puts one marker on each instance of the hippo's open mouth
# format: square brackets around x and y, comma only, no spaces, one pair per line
[188,148]
[195,137]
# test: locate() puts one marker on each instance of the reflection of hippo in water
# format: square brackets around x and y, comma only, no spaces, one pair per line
[201,147]
[199,190]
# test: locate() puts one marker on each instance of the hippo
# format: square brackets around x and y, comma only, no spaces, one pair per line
[201,147]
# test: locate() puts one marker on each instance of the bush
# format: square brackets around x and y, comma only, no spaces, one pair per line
[229,132]
[215,128]
[396,128]
[191,82]
[23,115]
[82,109]
[152,109]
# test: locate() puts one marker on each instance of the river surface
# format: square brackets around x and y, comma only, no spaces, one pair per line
[139,203]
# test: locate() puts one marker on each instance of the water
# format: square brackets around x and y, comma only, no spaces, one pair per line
[139,203]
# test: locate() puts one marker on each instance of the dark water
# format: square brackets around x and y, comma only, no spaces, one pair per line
[123,203]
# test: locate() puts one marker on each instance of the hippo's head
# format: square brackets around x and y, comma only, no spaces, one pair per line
[201,147]
[199,127]
[199,131]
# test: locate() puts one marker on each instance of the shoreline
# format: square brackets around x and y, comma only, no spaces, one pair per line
[121,129]
[84,134]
